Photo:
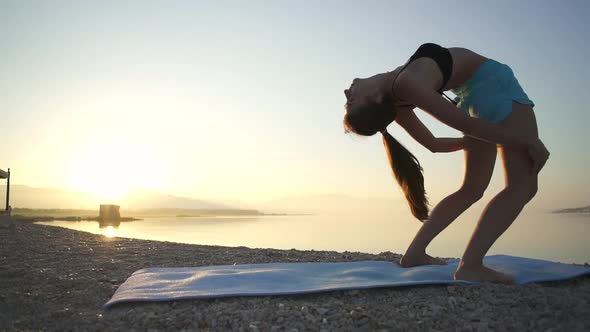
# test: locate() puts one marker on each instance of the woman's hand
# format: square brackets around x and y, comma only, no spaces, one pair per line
[539,155]
[447,144]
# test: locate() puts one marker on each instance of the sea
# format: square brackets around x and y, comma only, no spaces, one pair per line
[542,235]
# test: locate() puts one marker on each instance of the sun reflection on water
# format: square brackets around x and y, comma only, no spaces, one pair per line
[109,232]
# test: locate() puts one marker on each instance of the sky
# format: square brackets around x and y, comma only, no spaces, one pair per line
[244,100]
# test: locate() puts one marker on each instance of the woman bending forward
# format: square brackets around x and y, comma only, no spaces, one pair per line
[492,111]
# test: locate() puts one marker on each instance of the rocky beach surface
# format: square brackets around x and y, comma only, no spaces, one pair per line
[56,279]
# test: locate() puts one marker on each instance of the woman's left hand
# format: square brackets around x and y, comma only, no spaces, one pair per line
[539,155]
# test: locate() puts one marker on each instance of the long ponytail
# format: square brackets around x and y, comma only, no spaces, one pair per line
[408,173]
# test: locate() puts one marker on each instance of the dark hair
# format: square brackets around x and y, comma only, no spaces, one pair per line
[373,117]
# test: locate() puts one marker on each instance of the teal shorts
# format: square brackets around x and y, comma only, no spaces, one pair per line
[489,93]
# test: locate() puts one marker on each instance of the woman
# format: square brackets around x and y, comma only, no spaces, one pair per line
[492,111]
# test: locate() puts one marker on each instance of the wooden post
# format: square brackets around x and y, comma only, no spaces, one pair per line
[8,191]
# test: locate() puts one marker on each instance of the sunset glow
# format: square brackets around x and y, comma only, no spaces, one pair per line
[244,102]
[111,169]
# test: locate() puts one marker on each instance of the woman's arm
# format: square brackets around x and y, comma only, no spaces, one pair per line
[408,120]
[410,89]
[450,144]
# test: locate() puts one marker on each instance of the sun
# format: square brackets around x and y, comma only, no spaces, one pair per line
[111,169]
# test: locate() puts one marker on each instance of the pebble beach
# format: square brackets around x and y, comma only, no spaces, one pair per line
[56,279]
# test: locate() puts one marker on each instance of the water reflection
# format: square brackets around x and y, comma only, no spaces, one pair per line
[107,223]
[109,228]
[109,231]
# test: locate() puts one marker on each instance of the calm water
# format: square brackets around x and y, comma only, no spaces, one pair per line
[556,237]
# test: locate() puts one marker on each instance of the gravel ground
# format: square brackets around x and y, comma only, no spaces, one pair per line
[52,278]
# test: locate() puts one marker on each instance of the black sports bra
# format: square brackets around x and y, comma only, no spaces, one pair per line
[441,56]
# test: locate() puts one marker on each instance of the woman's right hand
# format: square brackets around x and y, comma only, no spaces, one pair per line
[539,155]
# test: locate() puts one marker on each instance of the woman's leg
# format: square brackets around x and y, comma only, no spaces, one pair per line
[499,214]
[480,158]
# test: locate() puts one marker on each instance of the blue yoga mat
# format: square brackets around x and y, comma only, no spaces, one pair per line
[165,284]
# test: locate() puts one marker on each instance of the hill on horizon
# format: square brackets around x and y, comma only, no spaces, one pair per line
[22,196]
[333,204]
[583,209]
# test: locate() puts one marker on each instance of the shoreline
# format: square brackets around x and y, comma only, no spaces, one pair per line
[53,278]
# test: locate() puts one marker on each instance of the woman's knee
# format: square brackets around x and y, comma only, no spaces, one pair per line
[471,194]
[522,192]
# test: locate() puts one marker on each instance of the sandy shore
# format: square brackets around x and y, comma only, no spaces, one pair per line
[53,278]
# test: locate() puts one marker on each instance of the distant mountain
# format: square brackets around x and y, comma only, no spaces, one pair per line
[584,209]
[47,198]
[332,203]
[22,196]
[149,199]
[52,198]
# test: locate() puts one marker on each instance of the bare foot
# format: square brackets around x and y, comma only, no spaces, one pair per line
[409,260]
[482,274]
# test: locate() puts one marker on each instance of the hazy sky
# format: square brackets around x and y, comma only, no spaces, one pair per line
[243,99]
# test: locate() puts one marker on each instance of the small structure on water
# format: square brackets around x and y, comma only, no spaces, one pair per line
[109,212]
[109,215]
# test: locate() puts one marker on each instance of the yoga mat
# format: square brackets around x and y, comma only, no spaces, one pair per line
[166,284]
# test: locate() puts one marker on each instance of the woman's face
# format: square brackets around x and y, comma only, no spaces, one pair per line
[363,91]
[357,91]
[372,88]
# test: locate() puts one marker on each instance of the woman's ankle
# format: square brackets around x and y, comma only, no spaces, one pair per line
[416,250]
[468,264]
